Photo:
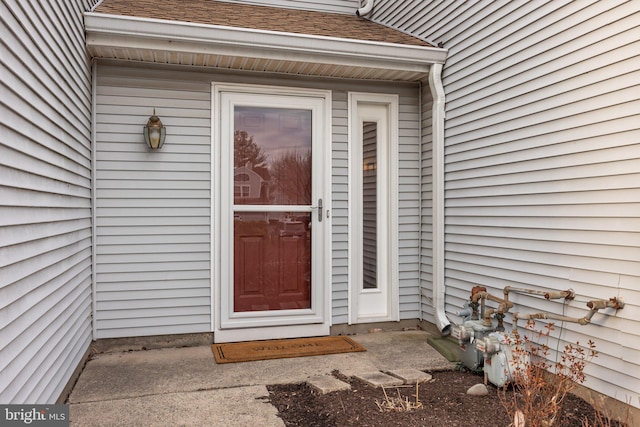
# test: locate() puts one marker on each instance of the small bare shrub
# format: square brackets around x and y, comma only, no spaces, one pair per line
[540,386]
[398,403]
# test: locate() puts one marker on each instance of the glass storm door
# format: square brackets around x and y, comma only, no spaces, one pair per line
[272,167]
[272,197]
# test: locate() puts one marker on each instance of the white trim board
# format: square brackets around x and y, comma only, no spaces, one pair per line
[388,276]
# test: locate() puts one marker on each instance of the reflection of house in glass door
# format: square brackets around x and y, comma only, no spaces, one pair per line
[247,184]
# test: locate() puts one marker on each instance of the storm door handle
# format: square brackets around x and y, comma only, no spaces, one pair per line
[319,207]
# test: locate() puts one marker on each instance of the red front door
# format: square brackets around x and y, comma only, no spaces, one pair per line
[272,265]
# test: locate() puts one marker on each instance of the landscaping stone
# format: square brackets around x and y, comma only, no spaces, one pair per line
[411,376]
[478,390]
[327,384]
[379,379]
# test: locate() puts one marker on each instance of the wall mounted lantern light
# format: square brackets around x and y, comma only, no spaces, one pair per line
[154,132]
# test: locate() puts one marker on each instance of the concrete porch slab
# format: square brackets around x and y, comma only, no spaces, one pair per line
[239,407]
[165,386]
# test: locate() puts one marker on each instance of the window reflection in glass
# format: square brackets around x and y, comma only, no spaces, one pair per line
[369,205]
[272,156]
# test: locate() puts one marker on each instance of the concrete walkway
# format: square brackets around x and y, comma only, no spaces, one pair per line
[185,386]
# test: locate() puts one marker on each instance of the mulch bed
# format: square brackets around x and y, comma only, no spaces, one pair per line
[444,403]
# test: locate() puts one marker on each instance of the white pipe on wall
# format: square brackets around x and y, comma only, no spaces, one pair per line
[438,116]
[366,8]
[94,198]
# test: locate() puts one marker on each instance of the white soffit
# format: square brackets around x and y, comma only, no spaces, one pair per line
[184,43]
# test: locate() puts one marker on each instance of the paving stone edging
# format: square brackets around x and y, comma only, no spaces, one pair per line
[328,383]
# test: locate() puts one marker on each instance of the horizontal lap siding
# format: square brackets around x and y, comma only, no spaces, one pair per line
[339,209]
[409,203]
[152,208]
[45,198]
[543,161]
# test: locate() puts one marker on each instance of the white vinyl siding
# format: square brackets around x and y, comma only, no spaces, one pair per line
[45,198]
[409,203]
[340,208]
[333,6]
[153,216]
[152,208]
[543,161]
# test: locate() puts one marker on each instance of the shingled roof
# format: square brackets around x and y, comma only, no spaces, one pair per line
[236,36]
[211,12]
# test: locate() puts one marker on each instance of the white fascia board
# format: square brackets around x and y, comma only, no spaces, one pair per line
[173,36]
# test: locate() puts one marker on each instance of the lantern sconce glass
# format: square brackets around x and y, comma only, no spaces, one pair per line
[154,132]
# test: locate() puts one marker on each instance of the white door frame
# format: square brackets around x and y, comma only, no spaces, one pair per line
[380,304]
[241,326]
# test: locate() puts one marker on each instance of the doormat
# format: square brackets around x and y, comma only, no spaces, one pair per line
[447,347]
[250,351]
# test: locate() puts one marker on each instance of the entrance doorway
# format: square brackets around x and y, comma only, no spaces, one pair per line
[272,155]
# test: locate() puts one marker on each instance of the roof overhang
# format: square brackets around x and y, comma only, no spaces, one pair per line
[184,43]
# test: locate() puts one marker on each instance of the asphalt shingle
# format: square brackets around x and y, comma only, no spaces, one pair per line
[211,12]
